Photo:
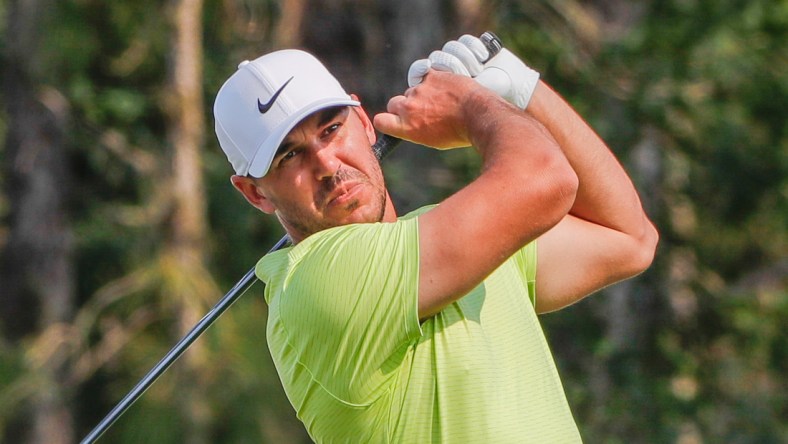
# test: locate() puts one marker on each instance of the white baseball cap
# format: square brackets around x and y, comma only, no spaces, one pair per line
[264,99]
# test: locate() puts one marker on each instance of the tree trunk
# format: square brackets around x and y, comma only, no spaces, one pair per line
[36,276]
[288,29]
[185,250]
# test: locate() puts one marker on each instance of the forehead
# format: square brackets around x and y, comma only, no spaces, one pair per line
[313,121]
[322,117]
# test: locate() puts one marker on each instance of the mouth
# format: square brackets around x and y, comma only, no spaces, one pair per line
[343,194]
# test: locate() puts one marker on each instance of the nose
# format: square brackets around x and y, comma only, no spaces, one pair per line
[326,163]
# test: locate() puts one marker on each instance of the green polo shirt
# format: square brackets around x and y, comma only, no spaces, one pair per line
[357,366]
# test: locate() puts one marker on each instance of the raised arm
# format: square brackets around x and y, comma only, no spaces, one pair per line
[526,185]
[607,236]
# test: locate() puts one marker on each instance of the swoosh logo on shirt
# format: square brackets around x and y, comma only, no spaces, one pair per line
[264,107]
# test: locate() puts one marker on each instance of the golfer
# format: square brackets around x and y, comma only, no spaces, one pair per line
[423,327]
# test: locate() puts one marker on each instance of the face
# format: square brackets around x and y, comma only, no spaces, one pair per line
[323,175]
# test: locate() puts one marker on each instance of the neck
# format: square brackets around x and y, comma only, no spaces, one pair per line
[390,213]
[296,236]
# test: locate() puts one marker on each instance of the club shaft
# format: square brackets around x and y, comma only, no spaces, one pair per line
[384,146]
[224,303]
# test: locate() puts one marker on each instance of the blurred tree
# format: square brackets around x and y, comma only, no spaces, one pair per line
[678,90]
[690,95]
[36,275]
[189,284]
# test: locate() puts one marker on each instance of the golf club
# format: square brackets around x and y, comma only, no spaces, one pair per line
[383,147]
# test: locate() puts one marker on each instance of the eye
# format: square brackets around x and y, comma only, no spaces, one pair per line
[287,155]
[330,129]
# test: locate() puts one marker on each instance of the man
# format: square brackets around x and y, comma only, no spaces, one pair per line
[423,328]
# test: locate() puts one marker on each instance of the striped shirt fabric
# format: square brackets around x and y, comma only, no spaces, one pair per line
[358,366]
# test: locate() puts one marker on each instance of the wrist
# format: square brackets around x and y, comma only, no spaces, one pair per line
[484,113]
[539,100]
[510,78]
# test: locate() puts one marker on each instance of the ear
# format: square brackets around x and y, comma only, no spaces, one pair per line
[365,121]
[252,193]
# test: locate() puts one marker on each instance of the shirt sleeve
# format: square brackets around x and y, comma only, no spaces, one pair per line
[525,259]
[350,305]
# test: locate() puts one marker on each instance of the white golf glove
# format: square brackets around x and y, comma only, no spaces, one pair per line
[505,74]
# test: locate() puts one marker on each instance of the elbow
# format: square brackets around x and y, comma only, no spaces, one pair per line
[565,186]
[645,248]
[569,187]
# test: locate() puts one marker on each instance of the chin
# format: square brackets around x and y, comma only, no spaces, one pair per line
[362,215]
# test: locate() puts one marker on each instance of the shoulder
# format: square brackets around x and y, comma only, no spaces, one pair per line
[357,246]
[525,260]
[330,269]
[324,245]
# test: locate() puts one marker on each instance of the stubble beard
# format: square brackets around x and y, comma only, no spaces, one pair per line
[307,224]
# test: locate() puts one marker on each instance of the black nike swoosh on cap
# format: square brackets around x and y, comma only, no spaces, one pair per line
[264,107]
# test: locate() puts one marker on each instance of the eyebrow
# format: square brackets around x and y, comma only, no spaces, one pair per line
[324,116]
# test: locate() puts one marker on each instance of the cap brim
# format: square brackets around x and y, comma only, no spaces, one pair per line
[259,165]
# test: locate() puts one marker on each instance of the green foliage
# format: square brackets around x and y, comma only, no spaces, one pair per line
[691,95]
[704,82]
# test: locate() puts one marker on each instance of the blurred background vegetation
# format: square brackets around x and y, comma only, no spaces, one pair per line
[119,228]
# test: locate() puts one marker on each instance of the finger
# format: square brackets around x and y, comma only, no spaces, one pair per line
[417,71]
[394,104]
[443,61]
[464,55]
[475,45]
[388,123]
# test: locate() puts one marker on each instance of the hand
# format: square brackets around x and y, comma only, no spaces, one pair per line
[505,73]
[435,113]
[464,57]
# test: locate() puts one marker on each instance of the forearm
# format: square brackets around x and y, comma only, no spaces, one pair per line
[606,195]
[525,188]
[603,230]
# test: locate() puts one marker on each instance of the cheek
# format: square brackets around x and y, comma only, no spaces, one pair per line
[286,185]
[375,171]
[293,192]
[362,156]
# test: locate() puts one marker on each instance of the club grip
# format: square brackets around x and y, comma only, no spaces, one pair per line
[385,145]
[492,43]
